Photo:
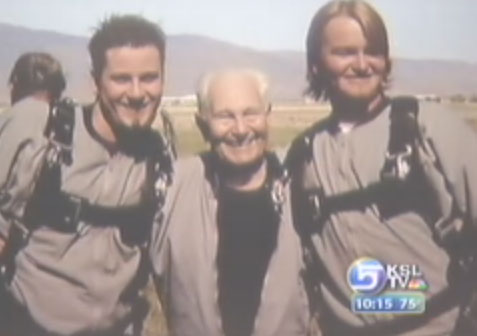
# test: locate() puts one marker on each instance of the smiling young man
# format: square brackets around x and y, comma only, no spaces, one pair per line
[378,184]
[226,257]
[78,187]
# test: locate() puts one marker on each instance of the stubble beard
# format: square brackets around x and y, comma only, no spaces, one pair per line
[133,140]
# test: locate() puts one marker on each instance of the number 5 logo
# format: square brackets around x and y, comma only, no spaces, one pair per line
[367,276]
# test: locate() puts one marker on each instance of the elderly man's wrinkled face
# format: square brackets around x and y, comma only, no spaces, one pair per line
[237,120]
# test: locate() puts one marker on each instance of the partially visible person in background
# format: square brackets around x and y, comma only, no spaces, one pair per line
[36,74]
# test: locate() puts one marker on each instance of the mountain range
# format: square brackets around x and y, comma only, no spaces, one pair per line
[189,56]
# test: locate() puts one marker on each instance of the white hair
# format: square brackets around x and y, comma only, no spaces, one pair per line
[203,88]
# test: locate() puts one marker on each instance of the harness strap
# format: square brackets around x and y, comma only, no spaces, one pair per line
[169,132]
[275,182]
[160,167]
[404,127]
[311,206]
[357,199]
[73,209]
[70,210]
[49,206]
[403,133]
[396,173]
[304,218]
[401,174]
[59,132]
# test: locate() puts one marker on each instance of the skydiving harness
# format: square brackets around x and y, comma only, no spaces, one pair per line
[275,181]
[50,206]
[411,175]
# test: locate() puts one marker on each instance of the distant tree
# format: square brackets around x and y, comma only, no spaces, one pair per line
[473,98]
[457,98]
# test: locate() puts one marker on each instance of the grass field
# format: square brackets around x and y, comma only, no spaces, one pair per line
[286,122]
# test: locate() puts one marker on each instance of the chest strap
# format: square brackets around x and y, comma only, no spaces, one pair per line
[399,174]
[65,212]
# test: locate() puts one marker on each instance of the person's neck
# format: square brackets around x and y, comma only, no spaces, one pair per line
[354,111]
[102,127]
[43,96]
[245,179]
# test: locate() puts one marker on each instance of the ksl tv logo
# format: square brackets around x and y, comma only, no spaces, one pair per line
[386,288]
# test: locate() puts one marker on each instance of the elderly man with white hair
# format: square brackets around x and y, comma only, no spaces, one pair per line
[226,257]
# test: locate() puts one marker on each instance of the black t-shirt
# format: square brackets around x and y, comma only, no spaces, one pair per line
[248,229]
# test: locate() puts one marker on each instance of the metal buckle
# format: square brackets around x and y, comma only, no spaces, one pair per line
[160,188]
[58,152]
[398,164]
[277,194]
[72,218]
[316,200]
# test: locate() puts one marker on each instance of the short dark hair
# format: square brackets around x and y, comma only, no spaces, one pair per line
[34,72]
[370,21]
[123,30]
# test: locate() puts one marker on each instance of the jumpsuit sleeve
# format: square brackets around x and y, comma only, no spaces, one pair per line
[455,145]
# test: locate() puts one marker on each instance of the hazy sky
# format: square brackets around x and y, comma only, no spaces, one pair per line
[431,29]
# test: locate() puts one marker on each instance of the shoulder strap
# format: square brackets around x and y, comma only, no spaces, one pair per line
[59,132]
[306,214]
[403,133]
[399,163]
[449,230]
[276,181]
[169,132]
[303,213]
[409,154]
[160,166]
[59,129]
[300,151]
[404,127]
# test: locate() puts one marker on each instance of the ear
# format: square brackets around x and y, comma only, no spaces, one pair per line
[203,127]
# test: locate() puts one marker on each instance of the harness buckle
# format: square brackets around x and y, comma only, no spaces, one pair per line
[160,187]
[277,194]
[316,199]
[397,165]
[73,216]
